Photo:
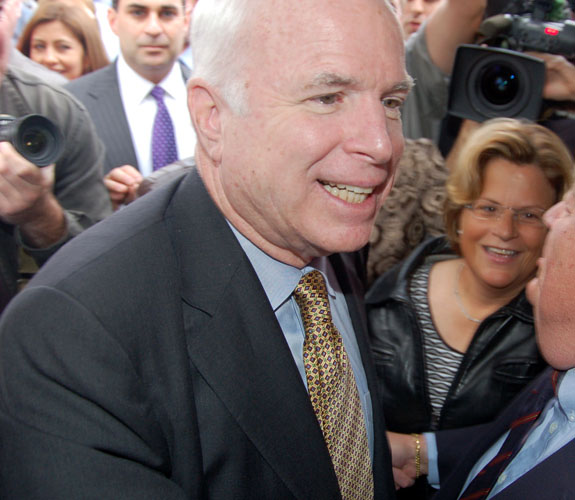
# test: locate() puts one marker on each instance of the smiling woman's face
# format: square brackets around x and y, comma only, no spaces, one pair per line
[55,46]
[503,253]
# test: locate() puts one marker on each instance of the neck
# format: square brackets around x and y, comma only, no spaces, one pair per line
[480,297]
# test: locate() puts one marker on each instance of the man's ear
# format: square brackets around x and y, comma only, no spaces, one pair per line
[205,111]
[112,19]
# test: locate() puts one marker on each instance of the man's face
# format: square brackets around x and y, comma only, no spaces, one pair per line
[151,33]
[552,292]
[305,170]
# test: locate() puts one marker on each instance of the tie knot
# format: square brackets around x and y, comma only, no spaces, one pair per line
[311,288]
[157,93]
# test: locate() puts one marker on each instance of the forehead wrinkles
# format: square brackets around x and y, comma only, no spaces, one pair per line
[331,28]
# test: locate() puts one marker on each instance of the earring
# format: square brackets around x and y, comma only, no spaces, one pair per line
[459,232]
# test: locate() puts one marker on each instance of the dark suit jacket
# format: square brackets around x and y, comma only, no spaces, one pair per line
[99,91]
[460,449]
[145,362]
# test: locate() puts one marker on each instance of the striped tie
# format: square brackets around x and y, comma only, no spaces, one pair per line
[480,487]
[333,391]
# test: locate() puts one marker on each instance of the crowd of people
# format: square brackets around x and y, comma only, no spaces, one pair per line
[252,273]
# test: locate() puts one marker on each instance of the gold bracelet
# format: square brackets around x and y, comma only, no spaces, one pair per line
[417,438]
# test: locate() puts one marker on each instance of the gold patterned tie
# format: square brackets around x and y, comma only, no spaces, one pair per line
[333,391]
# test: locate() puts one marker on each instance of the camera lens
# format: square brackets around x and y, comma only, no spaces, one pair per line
[499,84]
[35,141]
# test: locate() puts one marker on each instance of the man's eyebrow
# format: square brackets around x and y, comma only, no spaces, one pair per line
[336,80]
[404,86]
[330,80]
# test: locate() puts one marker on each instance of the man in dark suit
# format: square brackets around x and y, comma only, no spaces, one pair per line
[162,356]
[119,97]
[528,451]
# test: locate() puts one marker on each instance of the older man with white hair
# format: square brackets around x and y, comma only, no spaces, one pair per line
[208,340]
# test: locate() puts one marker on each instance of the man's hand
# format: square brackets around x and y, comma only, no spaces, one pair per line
[122,183]
[27,199]
[403,451]
[559,77]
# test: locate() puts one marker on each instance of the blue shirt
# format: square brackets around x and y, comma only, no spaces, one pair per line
[279,281]
[554,428]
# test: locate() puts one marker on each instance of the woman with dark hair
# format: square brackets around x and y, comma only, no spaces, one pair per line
[64,36]
[451,329]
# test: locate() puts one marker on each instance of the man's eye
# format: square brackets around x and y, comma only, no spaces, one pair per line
[392,102]
[328,99]
[168,14]
[392,106]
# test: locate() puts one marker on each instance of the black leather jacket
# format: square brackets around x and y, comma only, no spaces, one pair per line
[500,360]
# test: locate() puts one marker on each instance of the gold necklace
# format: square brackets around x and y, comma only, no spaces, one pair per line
[458,297]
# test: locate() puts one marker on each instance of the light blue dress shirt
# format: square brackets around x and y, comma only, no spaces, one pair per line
[279,281]
[554,429]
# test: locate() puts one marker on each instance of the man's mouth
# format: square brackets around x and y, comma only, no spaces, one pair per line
[349,194]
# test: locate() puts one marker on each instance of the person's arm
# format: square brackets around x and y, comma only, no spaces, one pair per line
[77,419]
[453,23]
[27,200]
[409,457]
[78,177]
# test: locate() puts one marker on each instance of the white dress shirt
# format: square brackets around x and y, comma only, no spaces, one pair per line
[141,108]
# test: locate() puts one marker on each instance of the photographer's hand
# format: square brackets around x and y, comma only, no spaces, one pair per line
[27,199]
[122,183]
[559,77]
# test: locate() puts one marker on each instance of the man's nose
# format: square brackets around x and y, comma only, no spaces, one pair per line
[372,133]
[153,25]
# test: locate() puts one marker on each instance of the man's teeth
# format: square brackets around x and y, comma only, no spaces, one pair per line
[350,194]
[502,251]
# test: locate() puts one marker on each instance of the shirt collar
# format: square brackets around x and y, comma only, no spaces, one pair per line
[279,279]
[566,393]
[136,88]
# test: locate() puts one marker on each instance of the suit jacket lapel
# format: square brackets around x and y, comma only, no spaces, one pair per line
[108,112]
[235,342]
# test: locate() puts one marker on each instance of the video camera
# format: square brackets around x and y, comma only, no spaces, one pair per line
[498,79]
[35,137]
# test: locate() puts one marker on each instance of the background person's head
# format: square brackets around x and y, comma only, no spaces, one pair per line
[508,173]
[152,34]
[64,36]
[415,12]
[298,119]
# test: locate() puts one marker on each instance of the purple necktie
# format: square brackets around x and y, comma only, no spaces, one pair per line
[164,150]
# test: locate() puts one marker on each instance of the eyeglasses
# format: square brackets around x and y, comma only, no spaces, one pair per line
[488,210]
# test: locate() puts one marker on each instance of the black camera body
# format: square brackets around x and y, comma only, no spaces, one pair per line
[523,33]
[491,82]
[498,80]
[35,137]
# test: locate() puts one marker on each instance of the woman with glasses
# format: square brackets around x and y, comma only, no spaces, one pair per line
[452,332]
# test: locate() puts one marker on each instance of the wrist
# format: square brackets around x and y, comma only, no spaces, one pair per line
[420,455]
